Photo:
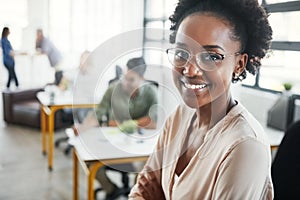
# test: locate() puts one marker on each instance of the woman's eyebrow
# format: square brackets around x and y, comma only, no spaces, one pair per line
[180,44]
[213,47]
[204,46]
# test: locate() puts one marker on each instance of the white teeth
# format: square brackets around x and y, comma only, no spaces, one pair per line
[192,86]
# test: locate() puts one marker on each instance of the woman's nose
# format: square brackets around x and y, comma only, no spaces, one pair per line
[191,70]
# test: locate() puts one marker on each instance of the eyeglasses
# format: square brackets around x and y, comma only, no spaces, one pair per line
[207,61]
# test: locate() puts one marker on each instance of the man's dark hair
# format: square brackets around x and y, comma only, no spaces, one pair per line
[249,24]
[137,65]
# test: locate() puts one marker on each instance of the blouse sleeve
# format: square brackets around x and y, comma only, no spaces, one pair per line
[245,173]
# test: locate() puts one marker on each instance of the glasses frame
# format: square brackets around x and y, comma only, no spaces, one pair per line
[200,64]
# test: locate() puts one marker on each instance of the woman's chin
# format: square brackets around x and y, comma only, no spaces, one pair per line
[191,102]
[196,100]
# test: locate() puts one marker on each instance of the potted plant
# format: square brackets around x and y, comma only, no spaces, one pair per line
[287,86]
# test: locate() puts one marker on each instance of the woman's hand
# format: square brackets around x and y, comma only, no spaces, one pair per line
[149,187]
[12,53]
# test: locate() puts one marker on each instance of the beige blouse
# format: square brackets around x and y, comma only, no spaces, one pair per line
[233,162]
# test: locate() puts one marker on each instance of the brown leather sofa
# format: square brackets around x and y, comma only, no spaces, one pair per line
[22,107]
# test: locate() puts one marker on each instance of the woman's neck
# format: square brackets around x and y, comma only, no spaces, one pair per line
[212,113]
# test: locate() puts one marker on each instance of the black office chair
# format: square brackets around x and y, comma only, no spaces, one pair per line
[118,73]
[286,165]
[66,115]
[124,190]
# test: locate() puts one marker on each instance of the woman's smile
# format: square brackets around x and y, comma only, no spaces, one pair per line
[195,87]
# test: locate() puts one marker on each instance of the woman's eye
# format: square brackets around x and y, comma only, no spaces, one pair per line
[211,57]
[181,55]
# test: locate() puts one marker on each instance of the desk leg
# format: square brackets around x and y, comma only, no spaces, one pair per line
[43,127]
[75,175]
[91,177]
[274,147]
[51,139]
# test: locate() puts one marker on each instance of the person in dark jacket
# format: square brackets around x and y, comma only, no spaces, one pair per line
[285,169]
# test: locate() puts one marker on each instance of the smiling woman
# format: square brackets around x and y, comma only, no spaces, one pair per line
[208,146]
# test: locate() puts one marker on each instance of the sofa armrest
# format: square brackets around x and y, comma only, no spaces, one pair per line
[11,97]
[22,95]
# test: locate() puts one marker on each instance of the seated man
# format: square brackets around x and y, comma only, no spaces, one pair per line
[129,101]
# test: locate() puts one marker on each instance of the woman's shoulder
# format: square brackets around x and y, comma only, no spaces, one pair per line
[241,124]
[4,40]
[5,44]
[150,87]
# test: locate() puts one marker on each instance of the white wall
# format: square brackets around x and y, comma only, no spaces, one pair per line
[61,22]
[37,18]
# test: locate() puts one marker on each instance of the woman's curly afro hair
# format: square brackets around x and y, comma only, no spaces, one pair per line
[248,19]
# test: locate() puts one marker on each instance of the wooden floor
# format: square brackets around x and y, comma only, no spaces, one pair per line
[24,173]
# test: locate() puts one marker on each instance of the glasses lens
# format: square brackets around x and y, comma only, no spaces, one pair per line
[178,57]
[208,60]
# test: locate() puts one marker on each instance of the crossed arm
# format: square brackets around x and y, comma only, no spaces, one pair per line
[147,187]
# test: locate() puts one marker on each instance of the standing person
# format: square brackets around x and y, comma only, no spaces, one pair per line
[211,147]
[45,46]
[8,57]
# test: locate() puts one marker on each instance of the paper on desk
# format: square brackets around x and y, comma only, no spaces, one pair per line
[107,143]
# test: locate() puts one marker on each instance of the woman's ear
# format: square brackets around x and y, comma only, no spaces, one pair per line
[241,64]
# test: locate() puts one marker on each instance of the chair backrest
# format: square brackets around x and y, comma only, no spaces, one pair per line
[118,72]
[153,83]
[293,113]
[58,76]
[286,165]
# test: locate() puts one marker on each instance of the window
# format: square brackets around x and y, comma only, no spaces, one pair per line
[279,68]
[78,25]
[285,26]
[281,65]
[277,1]
[157,14]
[81,24]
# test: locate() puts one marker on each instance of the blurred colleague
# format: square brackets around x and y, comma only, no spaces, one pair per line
[132,98]
[128,103]
[8,57]
[45,46]
[65,80]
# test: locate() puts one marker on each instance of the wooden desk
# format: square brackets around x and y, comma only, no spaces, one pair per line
[103,146]
[48,109]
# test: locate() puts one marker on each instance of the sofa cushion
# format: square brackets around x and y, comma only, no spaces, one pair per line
[27,113]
